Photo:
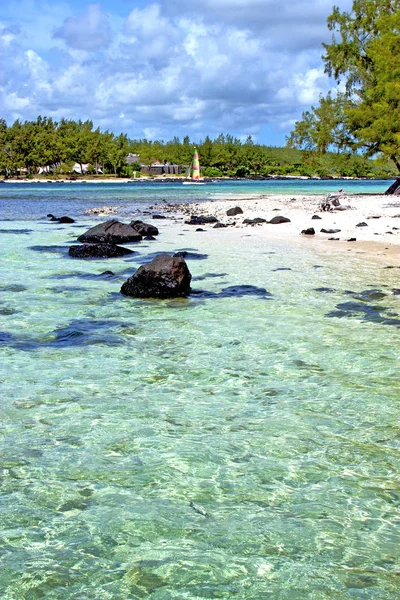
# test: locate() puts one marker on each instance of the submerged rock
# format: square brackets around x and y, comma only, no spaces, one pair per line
[165,277]
[98,251]
[112,232]
[309,231]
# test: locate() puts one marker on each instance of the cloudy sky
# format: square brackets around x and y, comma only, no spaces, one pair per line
[165,68]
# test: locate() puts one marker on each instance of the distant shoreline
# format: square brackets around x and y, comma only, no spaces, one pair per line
[160,178]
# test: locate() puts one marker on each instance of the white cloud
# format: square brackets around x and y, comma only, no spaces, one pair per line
[168,69]
[90,30]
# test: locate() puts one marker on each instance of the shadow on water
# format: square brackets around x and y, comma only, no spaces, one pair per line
[209,276]
[233,291]
[105,275]
[18,231]
[361,308]
[80,332]
[51,249]
[12,287]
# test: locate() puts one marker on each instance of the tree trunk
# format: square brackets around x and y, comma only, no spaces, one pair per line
[394,189]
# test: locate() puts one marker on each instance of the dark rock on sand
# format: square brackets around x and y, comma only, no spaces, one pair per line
[330,230]
[219,225]
[98,251]
[316,217]
[278,219]
[362,224]
[309,231]
[254,221]
[164,277]
[112,232]
[200,229]
[144,228]
[352,240]
[201,220]
[232,212]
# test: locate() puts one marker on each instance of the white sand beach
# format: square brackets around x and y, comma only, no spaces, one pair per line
[379,238]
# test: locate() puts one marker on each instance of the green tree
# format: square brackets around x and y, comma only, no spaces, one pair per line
[364,53]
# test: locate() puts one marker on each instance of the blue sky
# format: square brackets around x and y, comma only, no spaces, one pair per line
[165,68]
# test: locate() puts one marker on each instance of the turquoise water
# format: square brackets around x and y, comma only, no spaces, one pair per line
[25,201]
[229,445]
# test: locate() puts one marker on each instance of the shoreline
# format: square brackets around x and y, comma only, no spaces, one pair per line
[180,179]
[378,239]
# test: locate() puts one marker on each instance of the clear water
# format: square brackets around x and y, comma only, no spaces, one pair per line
[222,446]
[35,199]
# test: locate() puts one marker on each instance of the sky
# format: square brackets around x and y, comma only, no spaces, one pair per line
[166,68]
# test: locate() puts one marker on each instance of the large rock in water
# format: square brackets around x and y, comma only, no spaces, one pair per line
[111,232]
[98,251]
[165,277]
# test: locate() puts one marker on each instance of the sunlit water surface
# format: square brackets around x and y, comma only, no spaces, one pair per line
[241,443]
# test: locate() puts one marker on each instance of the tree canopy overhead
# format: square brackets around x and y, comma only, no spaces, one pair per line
[364,55]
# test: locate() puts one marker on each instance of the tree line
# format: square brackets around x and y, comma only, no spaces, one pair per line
[56,146]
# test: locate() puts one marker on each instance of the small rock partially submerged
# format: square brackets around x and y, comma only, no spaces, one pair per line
[63,219]
[165,277]
[309,231]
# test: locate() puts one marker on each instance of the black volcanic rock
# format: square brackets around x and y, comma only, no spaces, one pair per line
[278,219]
[201,220]
[98,251]
[144,228]
[254,221]
[165,277]
[112,232]
[232,212]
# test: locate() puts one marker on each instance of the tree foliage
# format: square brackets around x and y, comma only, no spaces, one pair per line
[57,146]
[363,54]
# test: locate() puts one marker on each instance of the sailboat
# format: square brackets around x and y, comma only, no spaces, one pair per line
[193,176]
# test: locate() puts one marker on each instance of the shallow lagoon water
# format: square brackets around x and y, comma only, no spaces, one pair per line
[220,446]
